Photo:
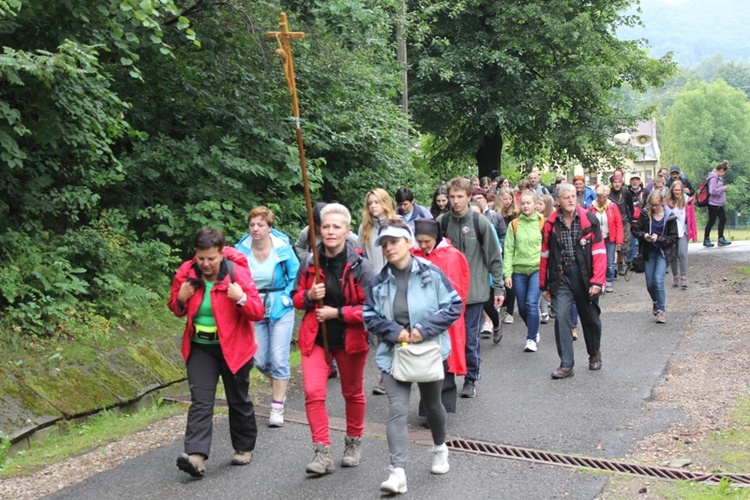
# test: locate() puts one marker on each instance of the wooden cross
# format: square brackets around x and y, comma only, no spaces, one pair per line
[284,39]
[284,51]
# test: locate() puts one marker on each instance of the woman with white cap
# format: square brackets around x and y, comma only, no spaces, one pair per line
[410,301]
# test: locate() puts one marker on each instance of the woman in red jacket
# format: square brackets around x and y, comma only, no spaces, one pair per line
[336,299]
[438,250]
[220,302]
[612,229]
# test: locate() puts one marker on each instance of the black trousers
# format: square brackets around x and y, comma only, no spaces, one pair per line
[714,213]
[204,367]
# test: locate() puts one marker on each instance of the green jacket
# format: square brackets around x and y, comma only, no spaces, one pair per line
[484,260]
[523,248]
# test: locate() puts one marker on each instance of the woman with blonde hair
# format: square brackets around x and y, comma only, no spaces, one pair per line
[682,206]
[507,207]
[378,208]
[335,297]
[657,234]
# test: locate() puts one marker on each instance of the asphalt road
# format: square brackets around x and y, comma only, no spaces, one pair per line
[598,414]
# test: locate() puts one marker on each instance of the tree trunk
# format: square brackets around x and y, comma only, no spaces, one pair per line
[489,153]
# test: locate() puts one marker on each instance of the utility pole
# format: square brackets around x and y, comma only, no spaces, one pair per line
[401,56]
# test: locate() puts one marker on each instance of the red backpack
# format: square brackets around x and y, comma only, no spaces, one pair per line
[701,196]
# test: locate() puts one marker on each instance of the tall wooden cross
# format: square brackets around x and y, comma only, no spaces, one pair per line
[284,39]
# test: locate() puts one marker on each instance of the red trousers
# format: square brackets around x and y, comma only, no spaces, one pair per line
[315,380]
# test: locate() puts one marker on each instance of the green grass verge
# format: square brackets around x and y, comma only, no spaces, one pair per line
[82,437]
[728,448]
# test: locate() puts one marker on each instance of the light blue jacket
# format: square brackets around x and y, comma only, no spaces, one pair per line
[433,307]
[278,299]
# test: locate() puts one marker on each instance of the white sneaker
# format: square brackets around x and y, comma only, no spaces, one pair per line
[396,482]
[530,346]
[276,418]
[537,338]
[508,319]
[486,331]
[544,318]
[440,459]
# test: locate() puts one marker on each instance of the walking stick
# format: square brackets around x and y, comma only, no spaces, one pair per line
[284,51]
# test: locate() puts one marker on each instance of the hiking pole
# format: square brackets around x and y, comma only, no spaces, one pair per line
[284,51]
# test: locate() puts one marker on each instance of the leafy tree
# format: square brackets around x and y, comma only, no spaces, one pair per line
[535,76]
[707,123]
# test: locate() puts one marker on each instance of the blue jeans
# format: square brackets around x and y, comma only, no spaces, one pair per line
[656,269]
[611,247]
[274,342]
[574,316]
[527,296]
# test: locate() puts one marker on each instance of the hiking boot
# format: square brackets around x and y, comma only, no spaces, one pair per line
[322,462]
[486,330]
[276,417]
[192,464]
[723,242]
[469,390]
[352,451]
[683,283]
[396,482]
[574,331]
[562,372]
[530,346]
[707,243]
[595,361]
[440,459]
[660,317]
[497,333]
[544,318]
[242,457]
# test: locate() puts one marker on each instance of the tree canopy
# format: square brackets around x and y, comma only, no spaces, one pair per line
[708,123]
[533,78]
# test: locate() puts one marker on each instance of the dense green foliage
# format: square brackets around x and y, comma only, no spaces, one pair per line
[533,78]
[126,126]
[708,123]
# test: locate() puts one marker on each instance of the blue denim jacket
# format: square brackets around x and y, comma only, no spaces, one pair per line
[278,301]
[433,307]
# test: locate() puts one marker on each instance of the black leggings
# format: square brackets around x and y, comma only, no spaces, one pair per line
[713,213]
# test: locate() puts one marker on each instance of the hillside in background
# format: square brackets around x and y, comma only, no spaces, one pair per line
[694,29]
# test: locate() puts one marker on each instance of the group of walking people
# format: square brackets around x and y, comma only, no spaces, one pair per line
[411,276]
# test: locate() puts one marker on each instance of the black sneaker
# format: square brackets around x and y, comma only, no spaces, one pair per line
[469,390]
[497,333]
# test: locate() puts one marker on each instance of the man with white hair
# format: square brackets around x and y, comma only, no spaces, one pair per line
[572,271]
